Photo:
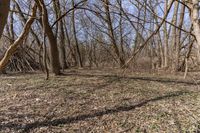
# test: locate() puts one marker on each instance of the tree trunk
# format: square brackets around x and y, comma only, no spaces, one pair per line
[166,47]
[4,10]
[111,33]
[62,40]
[54,55]
[178,42]
[79,58]
[160,45]
[69,44]
[121,34]
[195,20]
[174,37]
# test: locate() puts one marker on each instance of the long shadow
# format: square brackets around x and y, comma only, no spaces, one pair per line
[114,78]
[108,82]
[162,80]
[84,117]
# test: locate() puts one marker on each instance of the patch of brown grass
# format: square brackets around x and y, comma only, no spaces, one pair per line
[98,101]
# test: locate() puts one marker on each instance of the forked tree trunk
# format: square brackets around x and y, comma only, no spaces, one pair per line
[111,33]
[54,55]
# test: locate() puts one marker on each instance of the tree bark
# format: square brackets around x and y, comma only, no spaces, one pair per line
[111,33]
[62,38]
[166,46]
[195,20]
[4,10]
[54,55]
[79,58]
[178,42]
[174,36]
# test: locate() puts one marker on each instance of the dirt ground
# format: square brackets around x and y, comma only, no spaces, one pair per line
[101,101]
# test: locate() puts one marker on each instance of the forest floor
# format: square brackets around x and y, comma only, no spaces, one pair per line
[99,101]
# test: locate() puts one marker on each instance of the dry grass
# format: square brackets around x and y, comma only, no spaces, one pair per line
[98,101]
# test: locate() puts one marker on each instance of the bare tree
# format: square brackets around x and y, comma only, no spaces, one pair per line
[54,55]
[111,32]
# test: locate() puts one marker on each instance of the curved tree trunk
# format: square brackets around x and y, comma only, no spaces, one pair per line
[4,10]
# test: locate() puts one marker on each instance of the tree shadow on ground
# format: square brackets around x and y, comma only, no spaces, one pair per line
[69,120]
[110,79]
[154,79]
